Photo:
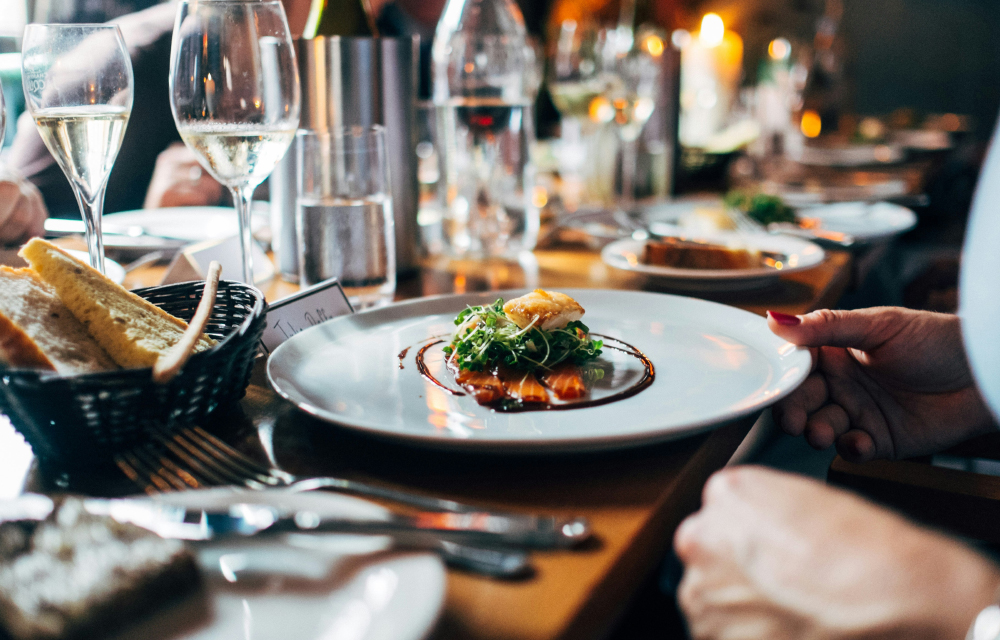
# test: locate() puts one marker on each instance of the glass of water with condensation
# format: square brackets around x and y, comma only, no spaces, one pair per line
[344,213]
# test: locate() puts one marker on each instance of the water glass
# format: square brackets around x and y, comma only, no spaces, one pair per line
[344,213]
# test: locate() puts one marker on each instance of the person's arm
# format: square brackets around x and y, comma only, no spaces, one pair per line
[776,556]
[22,211]
[887,383]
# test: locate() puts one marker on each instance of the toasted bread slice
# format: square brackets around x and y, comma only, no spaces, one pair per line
[32,310]
[133,332]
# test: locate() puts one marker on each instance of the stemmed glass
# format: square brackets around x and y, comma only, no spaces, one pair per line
[78,87]
[234,93]
[632,95]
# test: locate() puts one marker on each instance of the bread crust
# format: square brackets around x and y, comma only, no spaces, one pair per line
[17,349]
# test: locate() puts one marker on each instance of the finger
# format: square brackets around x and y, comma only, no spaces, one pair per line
[13,227]
[792,412]
[861,407]
[686,538]
[856,446]
[826,425]
[863,329]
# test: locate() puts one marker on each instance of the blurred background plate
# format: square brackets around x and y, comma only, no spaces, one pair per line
[865,221]
[801,254]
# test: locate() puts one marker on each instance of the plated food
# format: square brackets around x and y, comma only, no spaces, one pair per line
[717,262]
[62,315]
[693,254]
[531,350]
[712,363]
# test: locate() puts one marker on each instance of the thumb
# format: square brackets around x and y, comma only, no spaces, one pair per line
[864,329]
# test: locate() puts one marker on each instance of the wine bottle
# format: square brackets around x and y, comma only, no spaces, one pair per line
[340,18]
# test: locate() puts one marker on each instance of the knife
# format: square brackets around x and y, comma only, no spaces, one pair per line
[245,520]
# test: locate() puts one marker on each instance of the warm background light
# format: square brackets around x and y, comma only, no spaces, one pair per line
[713,30]
[654,45]
[779,49]
[812,124]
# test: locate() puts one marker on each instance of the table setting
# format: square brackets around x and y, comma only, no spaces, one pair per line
[431,394]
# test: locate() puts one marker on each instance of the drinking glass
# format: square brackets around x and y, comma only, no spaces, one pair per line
[3,115]
[631,93]
[77,82]
[344,217]
[234,93]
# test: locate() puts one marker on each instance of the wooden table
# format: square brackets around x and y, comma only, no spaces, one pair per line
[634,499]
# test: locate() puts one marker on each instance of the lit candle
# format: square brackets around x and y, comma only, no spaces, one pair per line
[711,68]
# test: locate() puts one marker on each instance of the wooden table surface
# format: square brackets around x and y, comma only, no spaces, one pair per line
[634,499]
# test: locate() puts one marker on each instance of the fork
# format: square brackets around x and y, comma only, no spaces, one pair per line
[165,475]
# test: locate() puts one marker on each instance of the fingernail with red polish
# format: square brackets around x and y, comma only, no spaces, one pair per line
[785,319]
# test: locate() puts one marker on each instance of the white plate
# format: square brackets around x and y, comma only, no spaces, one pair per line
[801,254]
[713,363]
[866,222]
[305,587]
[193,224]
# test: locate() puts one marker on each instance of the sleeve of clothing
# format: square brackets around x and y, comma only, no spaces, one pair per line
[150,129]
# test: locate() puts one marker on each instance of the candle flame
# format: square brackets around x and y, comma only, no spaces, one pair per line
[713,30]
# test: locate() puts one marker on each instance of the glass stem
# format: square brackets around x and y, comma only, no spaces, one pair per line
[92,210]
[630,153]
[243,199]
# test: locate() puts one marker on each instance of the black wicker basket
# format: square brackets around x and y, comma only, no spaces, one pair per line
[87,419]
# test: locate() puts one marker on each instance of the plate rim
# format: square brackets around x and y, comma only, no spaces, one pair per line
[863,236]
[611,253]
[526,446]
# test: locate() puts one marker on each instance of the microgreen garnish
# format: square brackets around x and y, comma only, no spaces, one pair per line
[486,338]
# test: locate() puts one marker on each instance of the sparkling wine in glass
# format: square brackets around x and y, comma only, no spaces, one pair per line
[78,87]
[234,93]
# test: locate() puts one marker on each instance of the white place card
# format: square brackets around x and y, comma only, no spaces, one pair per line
[302,310]
[192,263]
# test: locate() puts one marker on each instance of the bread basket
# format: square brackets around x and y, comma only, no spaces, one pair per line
[86,419]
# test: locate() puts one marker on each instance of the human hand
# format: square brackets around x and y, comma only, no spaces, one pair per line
[22,210]
[886,383]
[179,181]
[781,557]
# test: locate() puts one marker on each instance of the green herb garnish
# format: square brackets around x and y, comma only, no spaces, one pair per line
[486,338]
[761,207]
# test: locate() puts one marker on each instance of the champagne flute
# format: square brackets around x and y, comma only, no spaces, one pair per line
[78,87]
[234,93]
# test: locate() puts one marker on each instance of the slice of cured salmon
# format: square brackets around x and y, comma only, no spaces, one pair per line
[523,386]
[484,386]
[566,382]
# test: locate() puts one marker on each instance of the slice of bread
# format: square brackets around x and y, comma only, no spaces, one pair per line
[17,349]
[32,310]
[133,332]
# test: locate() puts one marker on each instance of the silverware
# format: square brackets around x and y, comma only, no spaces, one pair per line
[204,460]
[63,226]
[243,520]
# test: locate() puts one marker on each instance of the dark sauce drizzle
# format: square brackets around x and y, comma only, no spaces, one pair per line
[402,356]
[647,379]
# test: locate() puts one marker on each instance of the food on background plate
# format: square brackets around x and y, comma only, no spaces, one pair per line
[690,254]
[517,353]
[131,331]
[37,331]
[764,209]
[77,575]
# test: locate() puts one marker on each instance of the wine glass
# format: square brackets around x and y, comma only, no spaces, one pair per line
[234,93]
[631,93]
[78,87]
[3,115]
